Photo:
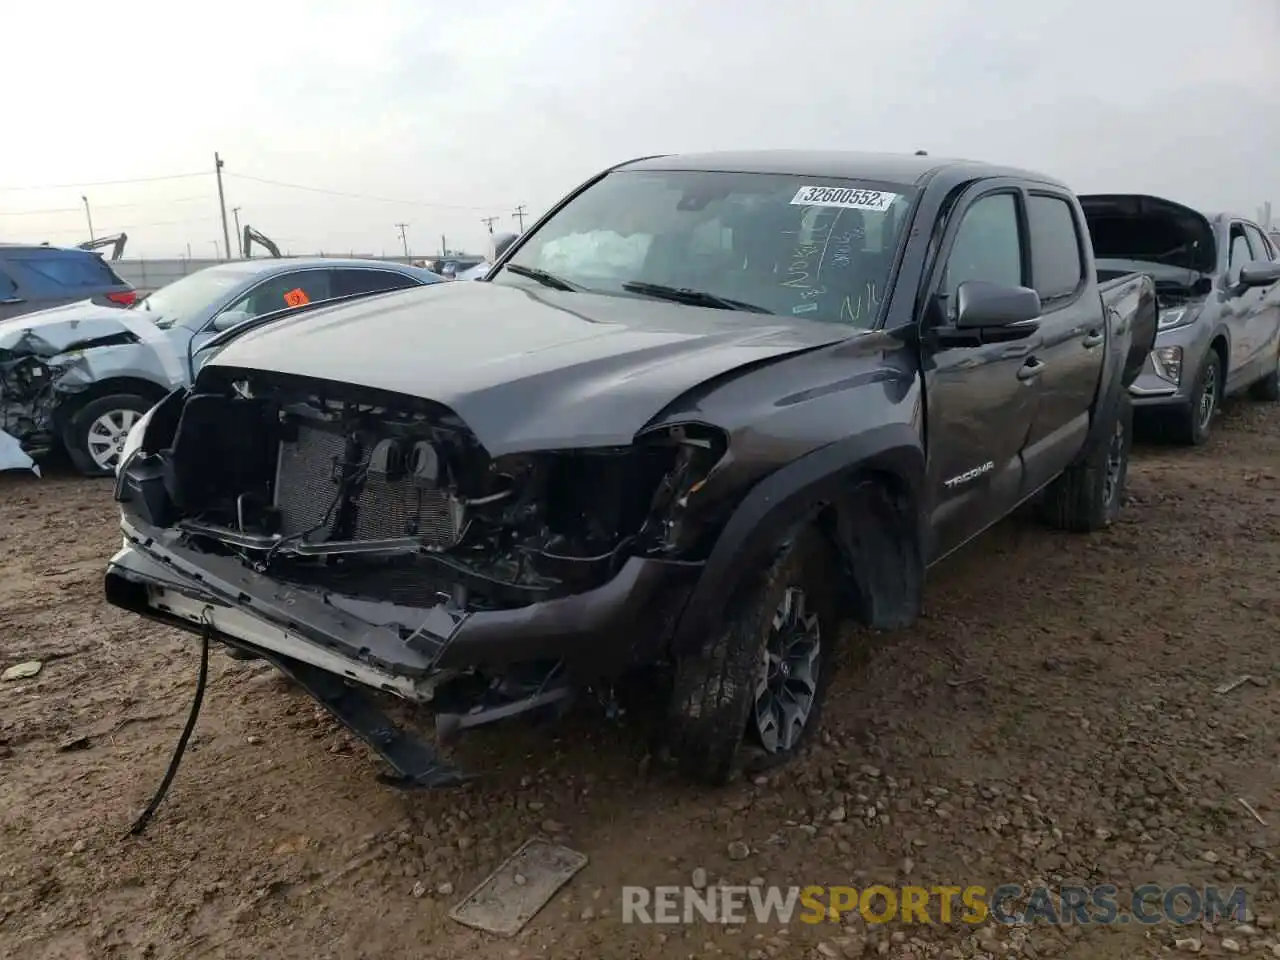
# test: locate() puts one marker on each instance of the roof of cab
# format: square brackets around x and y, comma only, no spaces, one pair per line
[851,165]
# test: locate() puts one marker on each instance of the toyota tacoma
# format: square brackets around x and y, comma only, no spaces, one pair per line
[705,409]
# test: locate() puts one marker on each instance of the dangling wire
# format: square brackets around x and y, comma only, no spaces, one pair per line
[206,635]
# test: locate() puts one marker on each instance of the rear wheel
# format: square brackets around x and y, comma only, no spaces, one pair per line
[1089,494]
[753,694]
[95,434]
[1192,424]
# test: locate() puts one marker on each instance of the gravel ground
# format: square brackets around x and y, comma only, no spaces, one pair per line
[1053,717]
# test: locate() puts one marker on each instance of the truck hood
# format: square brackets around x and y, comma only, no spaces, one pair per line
[526,369]
[1136,227]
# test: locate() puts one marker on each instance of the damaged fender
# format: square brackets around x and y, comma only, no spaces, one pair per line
[48,355]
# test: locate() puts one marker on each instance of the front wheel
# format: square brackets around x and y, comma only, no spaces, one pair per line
[1191,425]
[95,434]
[754,691]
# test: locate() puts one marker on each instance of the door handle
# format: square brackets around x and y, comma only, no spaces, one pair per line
[10,300]
[1093,338]
[1031,369]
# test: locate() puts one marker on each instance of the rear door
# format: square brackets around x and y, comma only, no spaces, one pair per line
[1072,329]
[980,398]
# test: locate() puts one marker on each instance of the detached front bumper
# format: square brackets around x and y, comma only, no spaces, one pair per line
[407,651]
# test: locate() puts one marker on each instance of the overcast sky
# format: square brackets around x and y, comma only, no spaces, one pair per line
[451,116]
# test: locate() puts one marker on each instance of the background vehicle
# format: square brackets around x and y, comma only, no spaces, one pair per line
[704,409]
[1219,288]
[79,376]
[38,277]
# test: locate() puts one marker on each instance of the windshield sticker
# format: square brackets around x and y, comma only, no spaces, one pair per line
[845,197]
[296,297]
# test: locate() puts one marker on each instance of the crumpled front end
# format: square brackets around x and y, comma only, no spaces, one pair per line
[371,536]
[43,361]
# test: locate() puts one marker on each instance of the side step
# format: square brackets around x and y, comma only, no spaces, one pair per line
[416,763]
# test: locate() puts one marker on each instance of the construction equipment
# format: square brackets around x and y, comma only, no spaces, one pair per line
[252,236]
[115,242]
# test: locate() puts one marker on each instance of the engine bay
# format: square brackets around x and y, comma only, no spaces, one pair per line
[391,498]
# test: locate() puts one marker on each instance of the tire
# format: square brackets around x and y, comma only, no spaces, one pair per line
[1268,388]
[716,698]
[86,433]
[1191,426]
[1088,496]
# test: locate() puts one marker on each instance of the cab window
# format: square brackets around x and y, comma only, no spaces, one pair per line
[988,245]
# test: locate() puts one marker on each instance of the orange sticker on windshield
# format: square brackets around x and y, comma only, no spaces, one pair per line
[296,297]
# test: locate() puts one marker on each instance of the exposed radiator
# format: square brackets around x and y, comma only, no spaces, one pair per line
[307,488]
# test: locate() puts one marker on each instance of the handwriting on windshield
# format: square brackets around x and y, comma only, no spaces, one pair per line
[865,303]
[820,246]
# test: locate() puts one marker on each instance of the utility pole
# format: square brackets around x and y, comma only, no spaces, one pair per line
[222,202]
[235,212]
[444,247]
[489,222]
[217,251]
[518,215]
[88,215]
[403,240]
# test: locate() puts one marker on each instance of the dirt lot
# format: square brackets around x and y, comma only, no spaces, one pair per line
[1053,717]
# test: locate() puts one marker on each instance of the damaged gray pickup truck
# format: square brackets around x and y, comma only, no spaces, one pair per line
[707,407]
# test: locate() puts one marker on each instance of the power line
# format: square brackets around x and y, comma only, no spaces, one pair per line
[358,196]
[107,183]
[100,206]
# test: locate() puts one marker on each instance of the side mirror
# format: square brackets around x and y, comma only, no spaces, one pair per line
[229,319]
[980,305]
[1260,273]
[500,243]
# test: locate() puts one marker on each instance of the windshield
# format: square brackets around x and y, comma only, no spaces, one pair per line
[813,248]
[175,303]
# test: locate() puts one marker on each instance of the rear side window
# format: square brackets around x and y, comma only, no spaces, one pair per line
[988,244]
[69,268]
[1056,266]
[348,282]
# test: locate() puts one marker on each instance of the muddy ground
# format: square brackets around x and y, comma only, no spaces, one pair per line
[1053,717]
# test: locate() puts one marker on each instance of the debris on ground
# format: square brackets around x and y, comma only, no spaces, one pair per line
[500,905]
[22,671]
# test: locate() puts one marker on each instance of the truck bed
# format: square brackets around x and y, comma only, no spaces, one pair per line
[1132,297]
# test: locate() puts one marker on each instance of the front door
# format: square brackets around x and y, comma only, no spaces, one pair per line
[1264,325]
[1238,308]
[980,399]
[1073,329]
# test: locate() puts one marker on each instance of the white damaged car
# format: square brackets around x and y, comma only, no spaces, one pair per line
[78,377]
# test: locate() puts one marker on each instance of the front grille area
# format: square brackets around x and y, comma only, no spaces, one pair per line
[307,487]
